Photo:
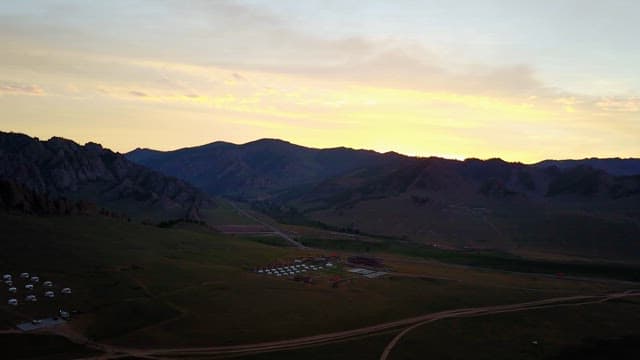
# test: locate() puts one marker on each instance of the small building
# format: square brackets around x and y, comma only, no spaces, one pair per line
[29,286]
[365,261]
[66,291]
[13,290]
[13,302]
[47,283]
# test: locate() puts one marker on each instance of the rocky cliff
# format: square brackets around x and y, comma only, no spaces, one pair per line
[63,168]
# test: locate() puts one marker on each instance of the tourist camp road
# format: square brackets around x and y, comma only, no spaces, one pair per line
[114,352]
[275,230]
[499,310]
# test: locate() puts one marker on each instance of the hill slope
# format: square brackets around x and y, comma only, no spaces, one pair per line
[571,208]
[256,169]
[614,166]
[488,205]
[17,198]
[62,168]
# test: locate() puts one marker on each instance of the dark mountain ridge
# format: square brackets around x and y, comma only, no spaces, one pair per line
[613,166]
[256,169]
[487,204]
[62,168]
[266,168]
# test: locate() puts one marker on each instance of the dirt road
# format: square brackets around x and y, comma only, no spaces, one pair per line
[505,309]
[275,230]
[408,324]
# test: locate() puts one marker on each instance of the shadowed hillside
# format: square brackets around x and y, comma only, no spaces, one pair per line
[62,168]
[17,198]
[256,169]
[614,166]
[564,208]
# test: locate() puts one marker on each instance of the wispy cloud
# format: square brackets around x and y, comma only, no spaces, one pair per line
[14,88]
[619,104]
[138,93]
[437,86]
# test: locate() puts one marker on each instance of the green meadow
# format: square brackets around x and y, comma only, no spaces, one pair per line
[145,286]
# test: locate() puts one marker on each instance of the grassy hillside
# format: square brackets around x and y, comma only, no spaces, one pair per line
[597,232]
[596,331]
[602,331]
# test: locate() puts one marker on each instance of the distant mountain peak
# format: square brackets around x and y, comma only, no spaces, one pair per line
[270,141]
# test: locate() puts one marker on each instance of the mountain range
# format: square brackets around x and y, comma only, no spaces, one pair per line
[256,169]
[588,207]
[263,168]
[613,166]
[585,207]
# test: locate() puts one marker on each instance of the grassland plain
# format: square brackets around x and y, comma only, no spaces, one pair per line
[600,331]
[481,259]
[41,346]
[144,286]
[558,333]
[224,214]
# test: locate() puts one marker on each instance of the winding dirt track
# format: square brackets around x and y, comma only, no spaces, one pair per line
[498,310]
[269,226]
[409,323]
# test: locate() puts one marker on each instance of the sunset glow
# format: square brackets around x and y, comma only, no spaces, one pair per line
[430,80]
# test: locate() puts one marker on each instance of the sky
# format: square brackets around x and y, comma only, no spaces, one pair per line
[517,79]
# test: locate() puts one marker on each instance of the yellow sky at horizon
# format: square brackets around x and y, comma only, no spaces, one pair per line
[311,113]
[359,93]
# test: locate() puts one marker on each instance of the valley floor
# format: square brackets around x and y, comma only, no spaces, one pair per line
[188,292]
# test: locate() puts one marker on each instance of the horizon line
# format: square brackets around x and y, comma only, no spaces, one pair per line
[441,156]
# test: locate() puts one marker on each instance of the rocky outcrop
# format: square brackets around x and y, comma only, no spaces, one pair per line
[63,168]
